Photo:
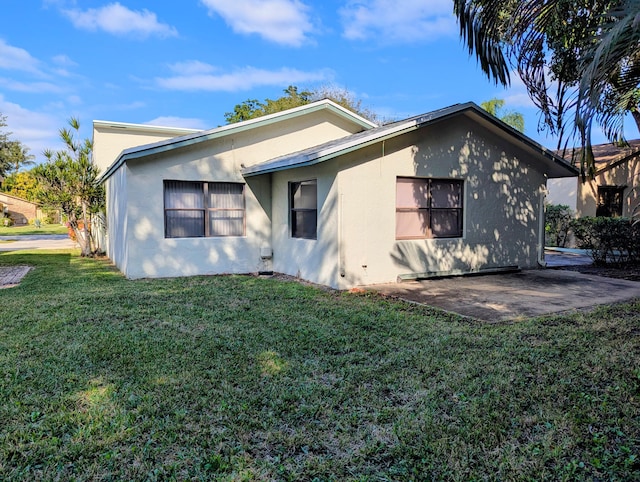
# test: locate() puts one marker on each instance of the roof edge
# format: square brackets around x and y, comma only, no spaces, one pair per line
[286,162]
[143,127]
[200,136]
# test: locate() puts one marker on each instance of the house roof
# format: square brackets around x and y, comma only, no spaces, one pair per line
[555,165]
[203,136]
[176,131]
[610,155]
[16,198]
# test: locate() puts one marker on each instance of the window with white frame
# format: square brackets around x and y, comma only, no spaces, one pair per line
[303,205]
[202,209]
[428,208]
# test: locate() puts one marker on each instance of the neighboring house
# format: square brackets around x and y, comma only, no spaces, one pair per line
[320,193]
[615,188]
[19,210]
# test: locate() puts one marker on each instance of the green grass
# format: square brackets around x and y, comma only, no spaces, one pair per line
[30,229]
[241,378]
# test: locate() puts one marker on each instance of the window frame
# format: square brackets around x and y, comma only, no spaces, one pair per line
[429,209]
[293,210]
[610,192]
[206,209]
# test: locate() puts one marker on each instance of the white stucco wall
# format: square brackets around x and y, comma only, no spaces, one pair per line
[147,253]
[317,259]
[116,202]
[356,242]
[563,191]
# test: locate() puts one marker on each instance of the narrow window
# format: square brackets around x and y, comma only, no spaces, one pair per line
[610,201]
[428,208]
[197,209]
[303,202]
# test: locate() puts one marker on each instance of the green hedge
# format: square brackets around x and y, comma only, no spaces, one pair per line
[611,240]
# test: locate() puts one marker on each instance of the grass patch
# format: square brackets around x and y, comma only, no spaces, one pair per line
[241,378]
[30,230]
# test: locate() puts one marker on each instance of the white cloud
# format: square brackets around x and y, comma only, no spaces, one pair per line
[170,121]
[241,79]
[64,61]
[36,130]
[15,58]
[192,67]
[30,87]
[284,22]
[392,21]
[117,19]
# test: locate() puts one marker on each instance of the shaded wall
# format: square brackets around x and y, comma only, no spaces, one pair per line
[501,204]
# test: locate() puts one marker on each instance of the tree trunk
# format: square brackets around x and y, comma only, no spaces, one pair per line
[86,248]
[635,112]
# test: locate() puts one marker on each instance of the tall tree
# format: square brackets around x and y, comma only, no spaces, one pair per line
[579,59]
[495,107]
[68,182]
[22,184]
[13,154]
[293,97]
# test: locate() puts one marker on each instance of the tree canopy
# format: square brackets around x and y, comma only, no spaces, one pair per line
[579,60]
[68,182]
[495,107]
[293,97]
[13,154]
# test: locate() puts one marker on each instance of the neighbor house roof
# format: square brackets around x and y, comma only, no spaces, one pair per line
[202,136]
[15,198]
[555,165]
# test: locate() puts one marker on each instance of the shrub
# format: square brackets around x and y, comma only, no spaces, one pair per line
[611,240]
[558,218]
[7,221]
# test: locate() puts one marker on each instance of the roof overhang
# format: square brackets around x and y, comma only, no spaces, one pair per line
[219,132]
[554,165]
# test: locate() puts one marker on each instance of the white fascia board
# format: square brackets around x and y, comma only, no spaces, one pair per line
[144,127]
[202,136]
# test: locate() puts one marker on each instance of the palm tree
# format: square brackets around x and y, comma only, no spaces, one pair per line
[579,59]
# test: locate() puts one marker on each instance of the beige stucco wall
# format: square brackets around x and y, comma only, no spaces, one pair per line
[140,229]
[110,139]
[626,174]
[356,242]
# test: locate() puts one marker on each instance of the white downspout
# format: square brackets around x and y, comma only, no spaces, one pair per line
[541,225]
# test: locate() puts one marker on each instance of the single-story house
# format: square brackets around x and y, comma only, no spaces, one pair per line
[613,191]
[320,193]
[18,209]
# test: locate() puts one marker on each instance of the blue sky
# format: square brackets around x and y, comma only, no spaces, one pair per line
[185,63]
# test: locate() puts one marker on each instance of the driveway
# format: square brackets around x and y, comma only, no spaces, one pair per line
[38,241]
[513,296]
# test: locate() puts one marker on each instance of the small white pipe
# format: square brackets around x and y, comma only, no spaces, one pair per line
[541,233]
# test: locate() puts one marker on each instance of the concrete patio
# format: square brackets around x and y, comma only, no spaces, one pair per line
[529,293]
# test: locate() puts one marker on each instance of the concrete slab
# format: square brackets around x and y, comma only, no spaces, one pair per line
[525,294]
[11,276]
[567,257]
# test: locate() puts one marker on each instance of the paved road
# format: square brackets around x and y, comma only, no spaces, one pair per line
[37,241]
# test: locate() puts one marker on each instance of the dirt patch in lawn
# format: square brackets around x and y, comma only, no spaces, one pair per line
[10,276]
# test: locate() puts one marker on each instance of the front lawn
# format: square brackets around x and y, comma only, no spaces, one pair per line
[30,229]
[242,378]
